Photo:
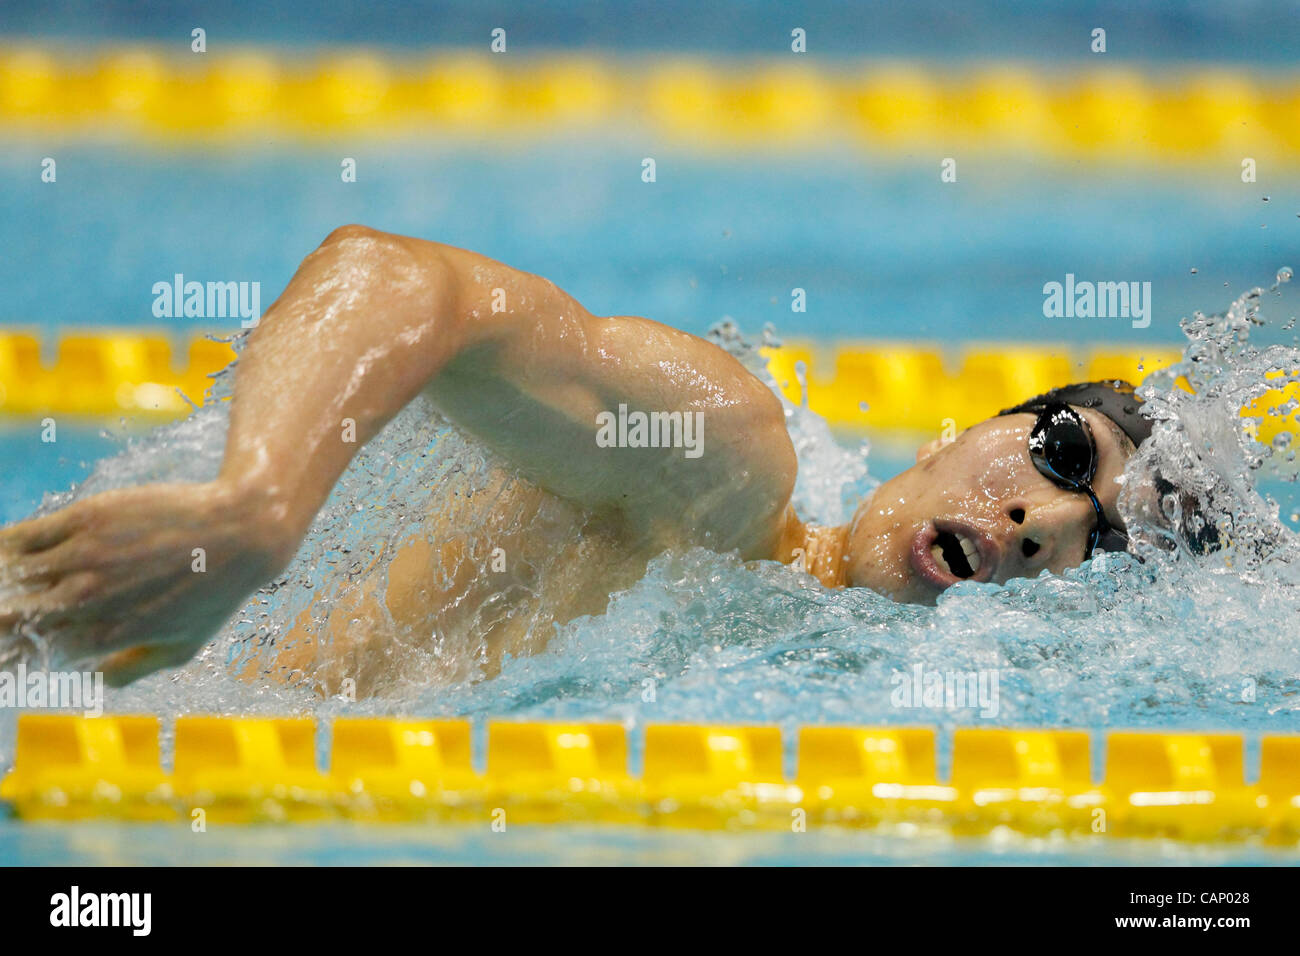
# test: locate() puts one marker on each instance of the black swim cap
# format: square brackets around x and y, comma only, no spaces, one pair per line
[1114,398]
[1158,496]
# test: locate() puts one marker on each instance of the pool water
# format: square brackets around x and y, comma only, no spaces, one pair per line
[882,248]
[1187,642]
[105,844]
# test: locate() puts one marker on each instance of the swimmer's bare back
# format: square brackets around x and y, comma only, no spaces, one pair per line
[369,321]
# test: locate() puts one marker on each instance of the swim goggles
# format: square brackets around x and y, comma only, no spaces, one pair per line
[1062,448]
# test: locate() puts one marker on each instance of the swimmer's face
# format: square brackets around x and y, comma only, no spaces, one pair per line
[980,493]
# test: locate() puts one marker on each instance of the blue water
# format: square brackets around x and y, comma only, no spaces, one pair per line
[1114,644]
[107,844]
[882,248]
[884,251]
[1047,30]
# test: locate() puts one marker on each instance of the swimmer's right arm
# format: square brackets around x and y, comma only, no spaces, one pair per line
[371,319]
[367,322]
[140,578]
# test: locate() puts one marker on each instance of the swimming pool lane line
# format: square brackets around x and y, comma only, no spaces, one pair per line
[1103,114]
[245,770]
[914,387]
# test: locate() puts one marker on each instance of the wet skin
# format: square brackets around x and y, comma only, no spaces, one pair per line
[369,321]
[984,487]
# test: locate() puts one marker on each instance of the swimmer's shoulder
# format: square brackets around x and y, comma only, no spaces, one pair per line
[753,457]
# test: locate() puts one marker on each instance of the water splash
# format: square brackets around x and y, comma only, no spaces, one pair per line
[832,479]
[1193,492]
[1194,630]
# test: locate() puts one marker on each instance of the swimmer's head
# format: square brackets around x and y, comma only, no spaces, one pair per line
[1034,488]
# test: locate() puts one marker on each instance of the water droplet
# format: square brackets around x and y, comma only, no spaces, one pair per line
[863,407]
[1194,272]
[1265,199]
[1284,274]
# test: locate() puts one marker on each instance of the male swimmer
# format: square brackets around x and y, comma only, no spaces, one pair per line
[370,320]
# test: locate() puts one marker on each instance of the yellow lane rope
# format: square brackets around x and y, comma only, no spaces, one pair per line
[251,769]
[892,386]
[915,387]
[106,373]
[918,387]
[1097,112]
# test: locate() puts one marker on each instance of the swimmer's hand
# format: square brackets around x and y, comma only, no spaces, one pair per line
[137,579]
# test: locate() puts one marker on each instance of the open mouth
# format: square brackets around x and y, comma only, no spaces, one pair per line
[948,550]
[956,554]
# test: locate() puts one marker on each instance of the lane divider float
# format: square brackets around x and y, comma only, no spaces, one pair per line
[237,770]
[1191,116]
[913,387]
[106,373]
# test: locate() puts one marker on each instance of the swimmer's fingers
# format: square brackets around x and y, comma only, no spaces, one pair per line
[47,567]
[121,668]
[63,540]
[38,534]
[21,575]
[61,611]
[117,516]
[118,561]
[120,533]
[82,621]
[158,567]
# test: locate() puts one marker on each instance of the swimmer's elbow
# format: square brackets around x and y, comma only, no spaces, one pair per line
[350,232]
[404,278]
[378,253]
